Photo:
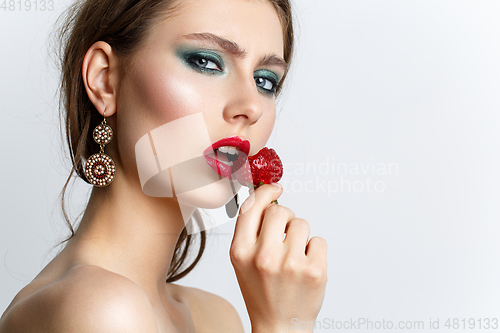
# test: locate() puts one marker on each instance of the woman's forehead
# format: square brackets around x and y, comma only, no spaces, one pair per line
[252,24]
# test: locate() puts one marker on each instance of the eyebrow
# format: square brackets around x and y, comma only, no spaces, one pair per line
[235,49]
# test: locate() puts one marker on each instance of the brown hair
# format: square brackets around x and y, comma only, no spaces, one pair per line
[123,24]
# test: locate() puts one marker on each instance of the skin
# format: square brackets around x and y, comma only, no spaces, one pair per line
[111,275]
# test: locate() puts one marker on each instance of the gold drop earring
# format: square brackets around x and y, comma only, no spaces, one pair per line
[100,168]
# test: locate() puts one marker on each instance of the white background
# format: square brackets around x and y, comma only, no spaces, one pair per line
[409,87]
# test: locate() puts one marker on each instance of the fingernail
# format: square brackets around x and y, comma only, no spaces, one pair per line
[277,185]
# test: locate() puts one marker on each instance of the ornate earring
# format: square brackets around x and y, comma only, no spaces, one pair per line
[232,206]
[100,168]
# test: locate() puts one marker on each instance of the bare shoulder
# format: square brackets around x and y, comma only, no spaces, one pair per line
[211,313]
[89,298]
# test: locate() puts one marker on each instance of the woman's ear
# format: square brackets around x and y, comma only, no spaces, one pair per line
[100,76]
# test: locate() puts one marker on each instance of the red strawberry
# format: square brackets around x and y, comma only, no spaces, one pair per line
[265,167]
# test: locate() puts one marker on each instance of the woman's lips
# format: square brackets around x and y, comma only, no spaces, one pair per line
[216,160]
[235,141]
[218,166]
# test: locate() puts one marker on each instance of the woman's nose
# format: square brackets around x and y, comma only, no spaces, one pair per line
[244,103]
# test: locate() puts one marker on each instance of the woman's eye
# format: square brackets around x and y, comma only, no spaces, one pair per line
[266,81]
[204,63]
[265,84]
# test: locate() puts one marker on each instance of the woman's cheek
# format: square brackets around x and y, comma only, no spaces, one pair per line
[152,96]
[264,129]
[171,95]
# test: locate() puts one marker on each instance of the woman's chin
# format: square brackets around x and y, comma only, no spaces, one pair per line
[212,196]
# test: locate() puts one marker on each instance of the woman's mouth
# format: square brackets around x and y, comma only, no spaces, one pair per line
[221,155]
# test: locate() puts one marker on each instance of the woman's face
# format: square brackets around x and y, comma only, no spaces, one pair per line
[217,58]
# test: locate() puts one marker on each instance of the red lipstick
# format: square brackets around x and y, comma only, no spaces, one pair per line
[221,162]
[235,141]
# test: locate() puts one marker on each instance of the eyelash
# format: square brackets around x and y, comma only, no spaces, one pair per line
[191,60]
[193,57]
[271,79]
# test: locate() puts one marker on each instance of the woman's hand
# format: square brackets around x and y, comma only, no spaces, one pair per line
[279,279]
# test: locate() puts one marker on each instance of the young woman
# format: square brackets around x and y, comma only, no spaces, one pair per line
[139,65]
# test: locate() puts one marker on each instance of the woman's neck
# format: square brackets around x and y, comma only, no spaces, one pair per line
[129,233]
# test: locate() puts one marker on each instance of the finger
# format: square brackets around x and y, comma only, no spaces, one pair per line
[251,211]
[297,234]
[316,250]
[274,223]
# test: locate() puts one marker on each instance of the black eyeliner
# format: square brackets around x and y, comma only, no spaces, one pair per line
[268,75]
[188,55]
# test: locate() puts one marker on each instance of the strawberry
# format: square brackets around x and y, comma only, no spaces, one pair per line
[265,167]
